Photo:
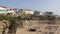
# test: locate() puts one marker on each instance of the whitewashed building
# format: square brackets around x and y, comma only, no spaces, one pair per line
[4,10]
[25,11]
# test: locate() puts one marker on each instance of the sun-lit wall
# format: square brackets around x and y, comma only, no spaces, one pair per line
[6,10]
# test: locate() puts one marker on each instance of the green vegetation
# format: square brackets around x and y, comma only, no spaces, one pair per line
[14,23]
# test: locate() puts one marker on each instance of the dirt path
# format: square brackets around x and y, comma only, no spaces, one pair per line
[44,28]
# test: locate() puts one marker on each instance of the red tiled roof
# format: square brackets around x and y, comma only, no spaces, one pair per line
[3,6]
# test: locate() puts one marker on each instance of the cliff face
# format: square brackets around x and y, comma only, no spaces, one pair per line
[4,24]
[28,25]
[9,24]
[40,27]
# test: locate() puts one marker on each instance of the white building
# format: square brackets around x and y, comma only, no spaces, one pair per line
[7,10]
[25,11]
[28,12]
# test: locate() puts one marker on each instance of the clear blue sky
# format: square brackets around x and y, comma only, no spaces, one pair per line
[42,5]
